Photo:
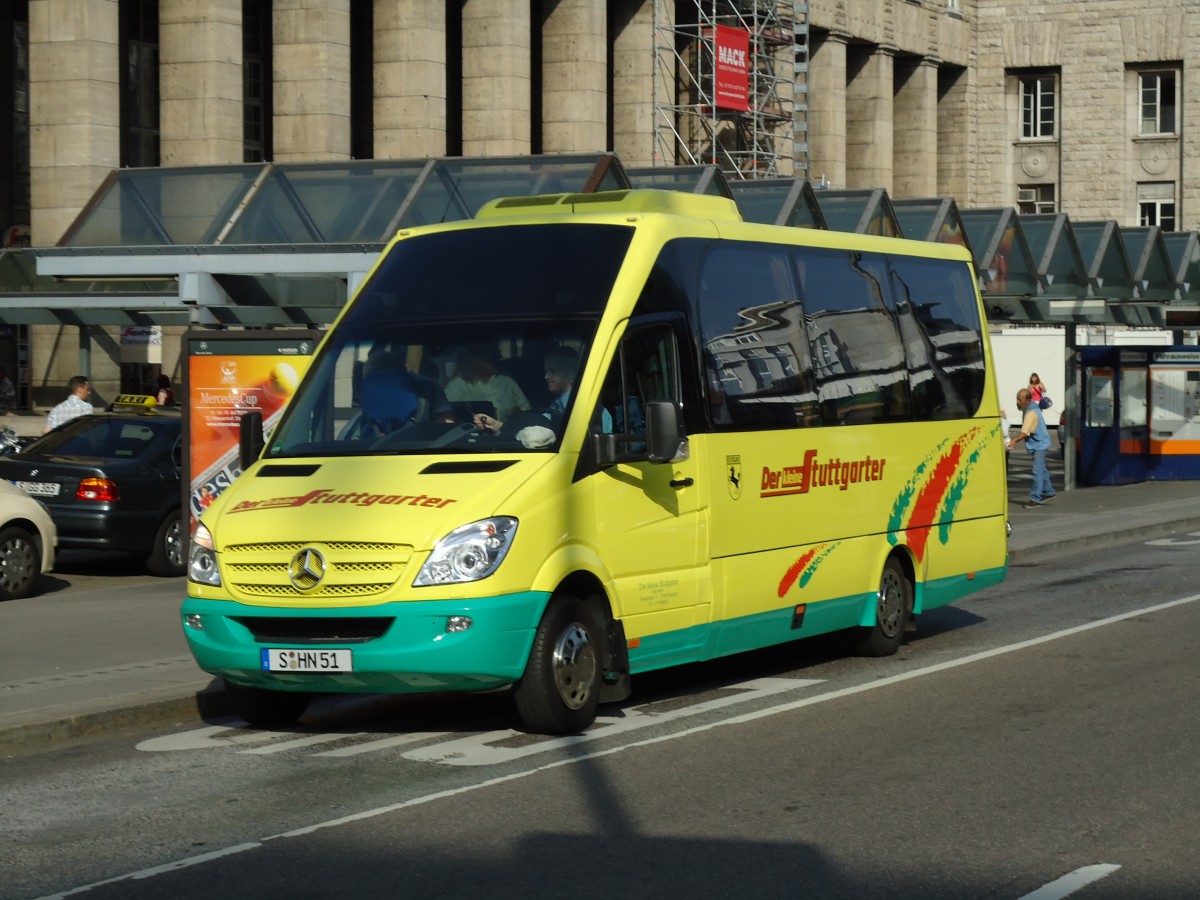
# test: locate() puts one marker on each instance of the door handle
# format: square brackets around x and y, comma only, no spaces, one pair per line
[681,482]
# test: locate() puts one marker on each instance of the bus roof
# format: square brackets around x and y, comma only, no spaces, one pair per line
[643,200]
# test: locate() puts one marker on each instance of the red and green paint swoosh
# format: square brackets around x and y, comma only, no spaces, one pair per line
[932,495]
[804,568]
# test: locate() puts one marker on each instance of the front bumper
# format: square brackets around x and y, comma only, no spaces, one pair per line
[414,654]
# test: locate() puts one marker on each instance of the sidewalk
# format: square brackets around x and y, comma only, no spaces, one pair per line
[113,683]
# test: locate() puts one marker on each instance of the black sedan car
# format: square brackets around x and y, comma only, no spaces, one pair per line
[110,482]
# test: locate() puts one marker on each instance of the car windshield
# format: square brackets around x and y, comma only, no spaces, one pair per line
[103,437]
[455,329]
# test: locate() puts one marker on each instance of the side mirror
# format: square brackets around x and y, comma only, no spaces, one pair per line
[665,436]
[250,438]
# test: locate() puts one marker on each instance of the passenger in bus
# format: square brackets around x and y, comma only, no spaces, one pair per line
[476,377]
[562,366]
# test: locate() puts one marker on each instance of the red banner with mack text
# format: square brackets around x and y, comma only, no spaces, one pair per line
[732,51]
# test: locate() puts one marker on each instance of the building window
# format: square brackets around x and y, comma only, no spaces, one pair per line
[362,81]
[256,80]
[1156,204]
[1037,106]
[1036,198]
[139,83]
[1156,92]
[14,108]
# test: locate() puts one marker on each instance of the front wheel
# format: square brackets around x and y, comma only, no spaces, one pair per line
[166,557]
[893,609]
[560,689]
[19,562]
[266,709]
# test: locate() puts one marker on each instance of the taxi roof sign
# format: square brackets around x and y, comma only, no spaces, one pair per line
[133,403]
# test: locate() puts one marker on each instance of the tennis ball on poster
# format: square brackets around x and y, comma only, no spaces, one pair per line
[282,381]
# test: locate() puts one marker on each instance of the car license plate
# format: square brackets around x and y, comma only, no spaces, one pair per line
[39,488]
[291,659]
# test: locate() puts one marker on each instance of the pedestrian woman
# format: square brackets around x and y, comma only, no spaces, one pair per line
[1037,388]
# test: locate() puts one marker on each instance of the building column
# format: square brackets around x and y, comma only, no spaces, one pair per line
[410,79]
[633,81]
[915,154]
[954,135]
[311,80]
[869,119]
[496,78]
[200,82]
[574,76]
[827,111]
[74,110]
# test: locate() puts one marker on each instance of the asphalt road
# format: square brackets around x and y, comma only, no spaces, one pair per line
[1040,730]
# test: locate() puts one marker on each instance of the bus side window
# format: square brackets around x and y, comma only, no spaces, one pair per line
[644,370]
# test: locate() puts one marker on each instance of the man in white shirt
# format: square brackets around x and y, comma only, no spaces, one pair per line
[77,403]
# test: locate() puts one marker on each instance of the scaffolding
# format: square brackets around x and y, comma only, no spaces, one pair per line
[692,126]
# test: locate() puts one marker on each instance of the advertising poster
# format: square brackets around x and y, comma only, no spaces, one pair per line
[227,374]
[732,46]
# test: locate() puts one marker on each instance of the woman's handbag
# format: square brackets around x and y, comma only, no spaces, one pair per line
[1045,402]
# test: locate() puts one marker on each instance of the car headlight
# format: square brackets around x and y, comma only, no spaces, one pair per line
[202,559]
[468,553]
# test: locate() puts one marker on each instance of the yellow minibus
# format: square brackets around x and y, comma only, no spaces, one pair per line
[580,437]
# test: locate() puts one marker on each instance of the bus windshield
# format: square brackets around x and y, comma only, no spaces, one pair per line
[461,342]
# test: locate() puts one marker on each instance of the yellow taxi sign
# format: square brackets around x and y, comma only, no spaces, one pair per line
[131,401]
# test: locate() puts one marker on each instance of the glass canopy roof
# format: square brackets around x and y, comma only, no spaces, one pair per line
[275,243]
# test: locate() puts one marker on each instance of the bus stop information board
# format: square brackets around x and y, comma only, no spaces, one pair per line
[225,375]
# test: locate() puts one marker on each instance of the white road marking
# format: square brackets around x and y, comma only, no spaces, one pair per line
[1176,542]
[482,749]
[307,741]
[205,739]
[1071,882]
[612,751]
[384,743]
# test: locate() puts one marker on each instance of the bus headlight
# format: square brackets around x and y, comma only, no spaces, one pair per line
[202,559]
[468,553]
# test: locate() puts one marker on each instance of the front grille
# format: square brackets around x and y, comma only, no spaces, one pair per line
[286,630]
[353,569]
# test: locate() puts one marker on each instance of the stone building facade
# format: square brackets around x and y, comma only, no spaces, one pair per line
[1076,106]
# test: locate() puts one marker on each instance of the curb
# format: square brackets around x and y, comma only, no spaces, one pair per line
[211,703]
[1047,551]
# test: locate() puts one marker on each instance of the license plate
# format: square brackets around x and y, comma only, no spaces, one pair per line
[39,488]
[276,659]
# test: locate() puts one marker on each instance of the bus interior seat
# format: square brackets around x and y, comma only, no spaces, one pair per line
[388,399]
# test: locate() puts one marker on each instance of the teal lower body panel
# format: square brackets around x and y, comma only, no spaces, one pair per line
[414,654]
[778,626]
[943,591]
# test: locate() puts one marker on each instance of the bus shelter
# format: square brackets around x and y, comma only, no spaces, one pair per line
[1141,415]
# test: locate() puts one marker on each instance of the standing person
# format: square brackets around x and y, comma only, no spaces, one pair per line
[77,403]
[8,393]
[1036,438]
[1037,388]
[164,395]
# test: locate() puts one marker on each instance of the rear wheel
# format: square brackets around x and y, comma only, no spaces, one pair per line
[166,557]
[19,562]
[893,609]
[266,709]
[560,689]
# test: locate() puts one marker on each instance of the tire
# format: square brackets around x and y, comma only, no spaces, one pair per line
[20,562]
[893,610]
[166,557]
[560,689]
[266,709]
